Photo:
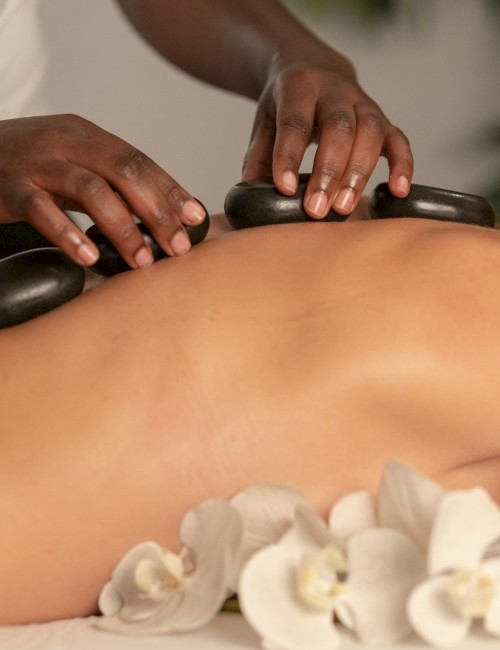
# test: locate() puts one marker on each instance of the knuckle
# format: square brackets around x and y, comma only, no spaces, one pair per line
[163,217]
[374,124]
[328,174]
[71,120]
[131,164]
[74,125]
[90,186]
[359,172]
[126,230]
[174,194]
[62,231]
[50,135]
[298,76]
[341,121]
[42,140]
[32,203]
[298,124]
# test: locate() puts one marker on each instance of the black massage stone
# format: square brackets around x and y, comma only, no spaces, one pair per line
[110,261]
[258,203]
[20,236]
[36,281]
[425,202]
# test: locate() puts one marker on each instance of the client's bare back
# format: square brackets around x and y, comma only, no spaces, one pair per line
[304,354]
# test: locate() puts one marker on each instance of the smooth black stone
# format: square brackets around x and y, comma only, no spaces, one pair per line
[258,203]
[425,202]
[110,261]
[35,282]
[20,236]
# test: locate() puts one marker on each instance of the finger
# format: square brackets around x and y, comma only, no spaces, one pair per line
[295,117]
[103,206]
[259,156]
[397,150]
[337,128]
[158,200]
[151,194]
[365,152]
[39,209]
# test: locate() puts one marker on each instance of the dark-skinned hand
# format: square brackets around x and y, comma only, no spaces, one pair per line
[52,163]
[303,104]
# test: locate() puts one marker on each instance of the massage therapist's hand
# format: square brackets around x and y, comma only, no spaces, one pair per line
[52,163]
[322,102]
[305,92]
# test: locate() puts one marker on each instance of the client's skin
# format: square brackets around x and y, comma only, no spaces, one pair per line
[304,354]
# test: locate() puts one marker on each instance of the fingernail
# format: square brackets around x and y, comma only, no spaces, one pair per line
[87,254]
[317,203]
[180,243]
[289,181]
[344,200]
[403,185]
[143,258]
[193,212]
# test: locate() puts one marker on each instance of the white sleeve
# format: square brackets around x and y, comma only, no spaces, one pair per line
[23,59]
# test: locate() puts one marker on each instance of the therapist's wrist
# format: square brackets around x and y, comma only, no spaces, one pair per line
[311,54]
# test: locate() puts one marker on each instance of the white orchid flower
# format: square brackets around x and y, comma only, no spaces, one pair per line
[406,501]
[267,512]
[290,591]
[153,591]
[462,584]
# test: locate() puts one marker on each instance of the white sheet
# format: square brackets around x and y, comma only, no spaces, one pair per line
[226,632]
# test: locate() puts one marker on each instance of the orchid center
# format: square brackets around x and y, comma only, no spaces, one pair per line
[472,592]
[319,581]
[156,579]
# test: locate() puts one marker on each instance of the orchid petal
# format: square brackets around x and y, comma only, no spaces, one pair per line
[492,618]
[408,501]
[493,551]
[432,615]
[269,645]
[212,531]
[155,621]
[384,566]
[267,511]
[208,525]
[110,601]
[467,522]
[351,514]
[270,604]
[308,532]
[344,615]
[491,568]
[135,607]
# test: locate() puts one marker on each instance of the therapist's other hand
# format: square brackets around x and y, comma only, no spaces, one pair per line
[306,92]
[52,163]
[320,102]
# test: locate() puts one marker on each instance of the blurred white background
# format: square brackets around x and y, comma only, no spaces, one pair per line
[437,78]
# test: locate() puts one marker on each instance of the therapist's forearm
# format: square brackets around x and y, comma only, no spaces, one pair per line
[233,44]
